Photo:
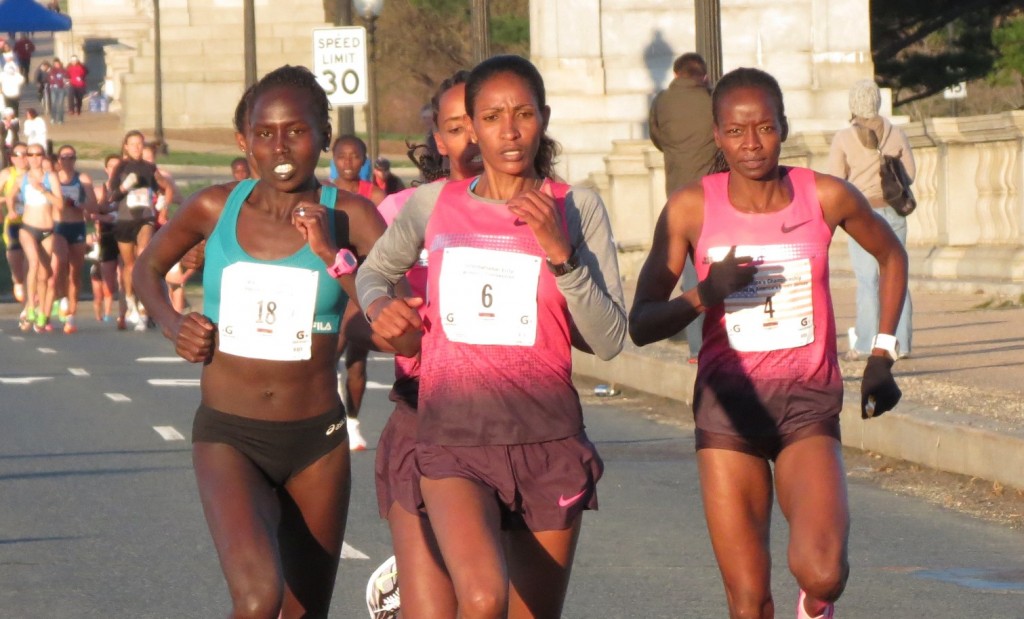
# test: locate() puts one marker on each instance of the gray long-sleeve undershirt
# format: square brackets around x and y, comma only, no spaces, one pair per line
[593,291]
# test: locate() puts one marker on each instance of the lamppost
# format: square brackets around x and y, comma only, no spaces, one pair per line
[249,41]
[479,11]
[370,10]
[708,18]
[158,84]
[346,123]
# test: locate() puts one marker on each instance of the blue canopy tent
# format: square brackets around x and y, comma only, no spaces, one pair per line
[30,16]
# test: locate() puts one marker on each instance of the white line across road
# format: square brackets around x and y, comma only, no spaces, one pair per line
[78,371]
[372,384]
[118,397]
[160,360]
[348,552]
[23,380]
[47,351]
[169,433]
[17,338]
[174,382]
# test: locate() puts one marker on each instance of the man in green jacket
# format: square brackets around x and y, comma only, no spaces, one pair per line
[681,127]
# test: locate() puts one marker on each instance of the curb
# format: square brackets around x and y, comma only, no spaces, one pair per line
[909,433]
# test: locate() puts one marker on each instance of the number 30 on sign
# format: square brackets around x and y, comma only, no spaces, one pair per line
[339,62]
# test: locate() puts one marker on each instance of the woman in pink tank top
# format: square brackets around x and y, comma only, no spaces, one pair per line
[426,588]
[520,269]
[768,384]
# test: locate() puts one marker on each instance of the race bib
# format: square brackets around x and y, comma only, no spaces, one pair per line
[143,196]
[775,311]
[72,195]
[266,311]
[489,297]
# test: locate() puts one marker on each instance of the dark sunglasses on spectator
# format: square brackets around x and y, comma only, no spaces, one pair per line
[69,156]
[35,154]
[19,153]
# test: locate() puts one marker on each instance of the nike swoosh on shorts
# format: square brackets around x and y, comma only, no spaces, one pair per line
[566,502]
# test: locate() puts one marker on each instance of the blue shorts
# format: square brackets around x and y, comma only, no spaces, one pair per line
[73,231]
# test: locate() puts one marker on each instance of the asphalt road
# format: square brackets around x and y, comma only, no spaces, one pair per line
[99,515]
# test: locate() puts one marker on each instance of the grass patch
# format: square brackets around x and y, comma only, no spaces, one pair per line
[993,303]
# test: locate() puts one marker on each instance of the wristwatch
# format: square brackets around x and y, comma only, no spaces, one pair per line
[888,343]
[344,263]
[566,267]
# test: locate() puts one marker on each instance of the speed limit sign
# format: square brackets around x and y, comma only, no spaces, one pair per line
[339,62]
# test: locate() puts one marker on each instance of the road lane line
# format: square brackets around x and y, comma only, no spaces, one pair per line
[78,371]
[23,380]
[169,433]
[372,384]
[160,360]
[174,382]
[348,552]
[17,338]
[118,397]
[47,351]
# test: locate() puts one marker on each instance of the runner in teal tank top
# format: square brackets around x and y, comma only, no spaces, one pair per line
[270,448]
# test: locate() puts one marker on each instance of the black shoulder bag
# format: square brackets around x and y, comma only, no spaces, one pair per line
[896,183]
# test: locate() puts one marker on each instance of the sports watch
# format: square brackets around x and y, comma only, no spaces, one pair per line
[888,343]
[566,267]
[344,263]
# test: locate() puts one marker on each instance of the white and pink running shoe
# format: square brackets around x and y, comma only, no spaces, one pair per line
[828,613]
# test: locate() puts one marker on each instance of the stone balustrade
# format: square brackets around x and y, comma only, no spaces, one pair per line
[968,222]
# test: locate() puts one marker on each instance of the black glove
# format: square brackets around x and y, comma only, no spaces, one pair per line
[726,277]
[878,390]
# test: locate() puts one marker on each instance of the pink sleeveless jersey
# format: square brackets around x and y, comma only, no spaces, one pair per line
[774,340]
[496,366]
[407,369]
[365,189]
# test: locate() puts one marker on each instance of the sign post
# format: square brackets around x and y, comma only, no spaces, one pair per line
[954,94]
[339,63]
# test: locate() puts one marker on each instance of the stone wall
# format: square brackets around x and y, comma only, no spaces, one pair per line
[968,227]
[203,62]
[603,61]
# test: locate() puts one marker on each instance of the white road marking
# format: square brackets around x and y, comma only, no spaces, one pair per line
[160,360]
[78,371]
[47,351]
[23,380]
[348,552]
[372,384]
[174,382]
[17,338]
[169,433]
[118,397]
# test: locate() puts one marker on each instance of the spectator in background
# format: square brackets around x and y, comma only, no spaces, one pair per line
[240,169]
[6,54]
[23,50]
[42,80]
[76,82]
[11,129]
[383,178]
[681,127]
[856,156]
[57,84]
[34,129]
[11,83]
